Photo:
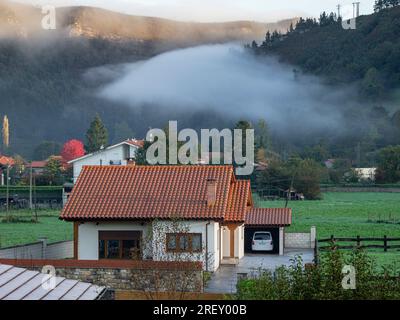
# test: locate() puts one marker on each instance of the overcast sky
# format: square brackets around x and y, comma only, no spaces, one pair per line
[219,10]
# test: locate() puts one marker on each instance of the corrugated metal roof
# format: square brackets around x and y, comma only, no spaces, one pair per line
[23,284]
[269,217]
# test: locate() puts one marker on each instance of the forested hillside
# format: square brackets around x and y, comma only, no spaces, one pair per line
[365,60]
[47,83]
[368,55]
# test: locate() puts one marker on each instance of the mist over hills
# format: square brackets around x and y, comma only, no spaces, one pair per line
[43,87]
[24,21]
[50,80]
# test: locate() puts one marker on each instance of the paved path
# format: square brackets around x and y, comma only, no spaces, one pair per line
[225,278]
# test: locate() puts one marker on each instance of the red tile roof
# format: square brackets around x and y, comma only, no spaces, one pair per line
[240,200]
[269,217]
[136,143]
[6,161]
[38,164]
[148,192]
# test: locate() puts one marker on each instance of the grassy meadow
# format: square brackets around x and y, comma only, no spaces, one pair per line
[349,215]
[22,230]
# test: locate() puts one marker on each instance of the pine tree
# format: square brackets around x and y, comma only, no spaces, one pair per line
[96,136]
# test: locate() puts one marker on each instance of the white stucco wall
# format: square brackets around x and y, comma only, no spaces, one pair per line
[103,158]
[239,242]
[88,237]
[154,237]
[226,242]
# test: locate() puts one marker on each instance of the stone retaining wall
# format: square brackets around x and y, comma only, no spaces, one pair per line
[124,275]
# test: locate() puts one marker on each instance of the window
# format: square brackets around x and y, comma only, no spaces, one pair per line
[119,245]
[184,242]
[262,236]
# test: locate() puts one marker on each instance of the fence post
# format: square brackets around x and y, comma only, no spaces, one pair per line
[333,242]
[358,242]
[385,243]
[44,246]
[316,260]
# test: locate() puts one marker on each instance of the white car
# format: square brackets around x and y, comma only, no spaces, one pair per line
[262,241]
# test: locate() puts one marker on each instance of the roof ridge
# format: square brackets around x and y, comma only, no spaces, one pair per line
[226,166]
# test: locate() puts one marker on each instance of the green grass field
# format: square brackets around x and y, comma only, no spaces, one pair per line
[349,215]
[25,232]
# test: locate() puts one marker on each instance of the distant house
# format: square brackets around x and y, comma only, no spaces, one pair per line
[128,212]
[366,174]
[330,163]
[4,163]
[119,154]
[38,167]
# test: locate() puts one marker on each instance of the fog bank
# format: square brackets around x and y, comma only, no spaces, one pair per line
[230,81]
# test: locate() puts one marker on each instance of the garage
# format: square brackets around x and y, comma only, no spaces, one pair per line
[248,238]
[273,220]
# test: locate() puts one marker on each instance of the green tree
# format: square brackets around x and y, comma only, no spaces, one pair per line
[53,172]
[243,125]
[372,84]
[262,135]
[46,149]
[307,177]
[140,158]
[122,131]
[96,136]
[388,170]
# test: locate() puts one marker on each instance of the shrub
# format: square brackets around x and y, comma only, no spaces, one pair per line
[323,281]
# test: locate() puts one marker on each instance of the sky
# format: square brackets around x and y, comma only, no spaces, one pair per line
[219,10]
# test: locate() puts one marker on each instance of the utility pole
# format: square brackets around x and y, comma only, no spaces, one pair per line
[357,9]
[358,155]
[338,8]
[7,189]
[30,187]
[34,194]
[290,191]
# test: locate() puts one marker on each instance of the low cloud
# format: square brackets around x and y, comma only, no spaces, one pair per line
[231,82]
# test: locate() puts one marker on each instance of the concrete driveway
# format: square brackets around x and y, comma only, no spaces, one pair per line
[225,278]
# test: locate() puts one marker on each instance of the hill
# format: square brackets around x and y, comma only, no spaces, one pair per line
[44,86]
[368,55]
[24,21]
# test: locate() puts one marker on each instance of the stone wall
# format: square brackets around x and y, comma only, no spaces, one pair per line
[126,275]
[134,279]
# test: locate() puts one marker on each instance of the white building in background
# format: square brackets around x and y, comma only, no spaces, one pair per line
[118,154]
[366,173]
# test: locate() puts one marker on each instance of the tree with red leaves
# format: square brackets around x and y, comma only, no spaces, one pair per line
[72,149]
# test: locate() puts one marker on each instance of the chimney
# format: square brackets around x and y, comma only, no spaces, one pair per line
[211,192]
[131,163]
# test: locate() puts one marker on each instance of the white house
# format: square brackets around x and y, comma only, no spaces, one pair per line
[366,173]
[118,154]
[165,213]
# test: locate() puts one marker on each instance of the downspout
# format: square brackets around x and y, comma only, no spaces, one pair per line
[207,224]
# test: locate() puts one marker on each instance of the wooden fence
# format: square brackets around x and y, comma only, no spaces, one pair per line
[359,242]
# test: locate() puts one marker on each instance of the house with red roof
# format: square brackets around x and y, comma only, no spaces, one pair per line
[165,213]
[118,154]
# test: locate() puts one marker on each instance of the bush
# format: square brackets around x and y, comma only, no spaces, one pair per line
[322,281]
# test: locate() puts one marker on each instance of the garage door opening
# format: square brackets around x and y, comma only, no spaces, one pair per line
[248,238]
